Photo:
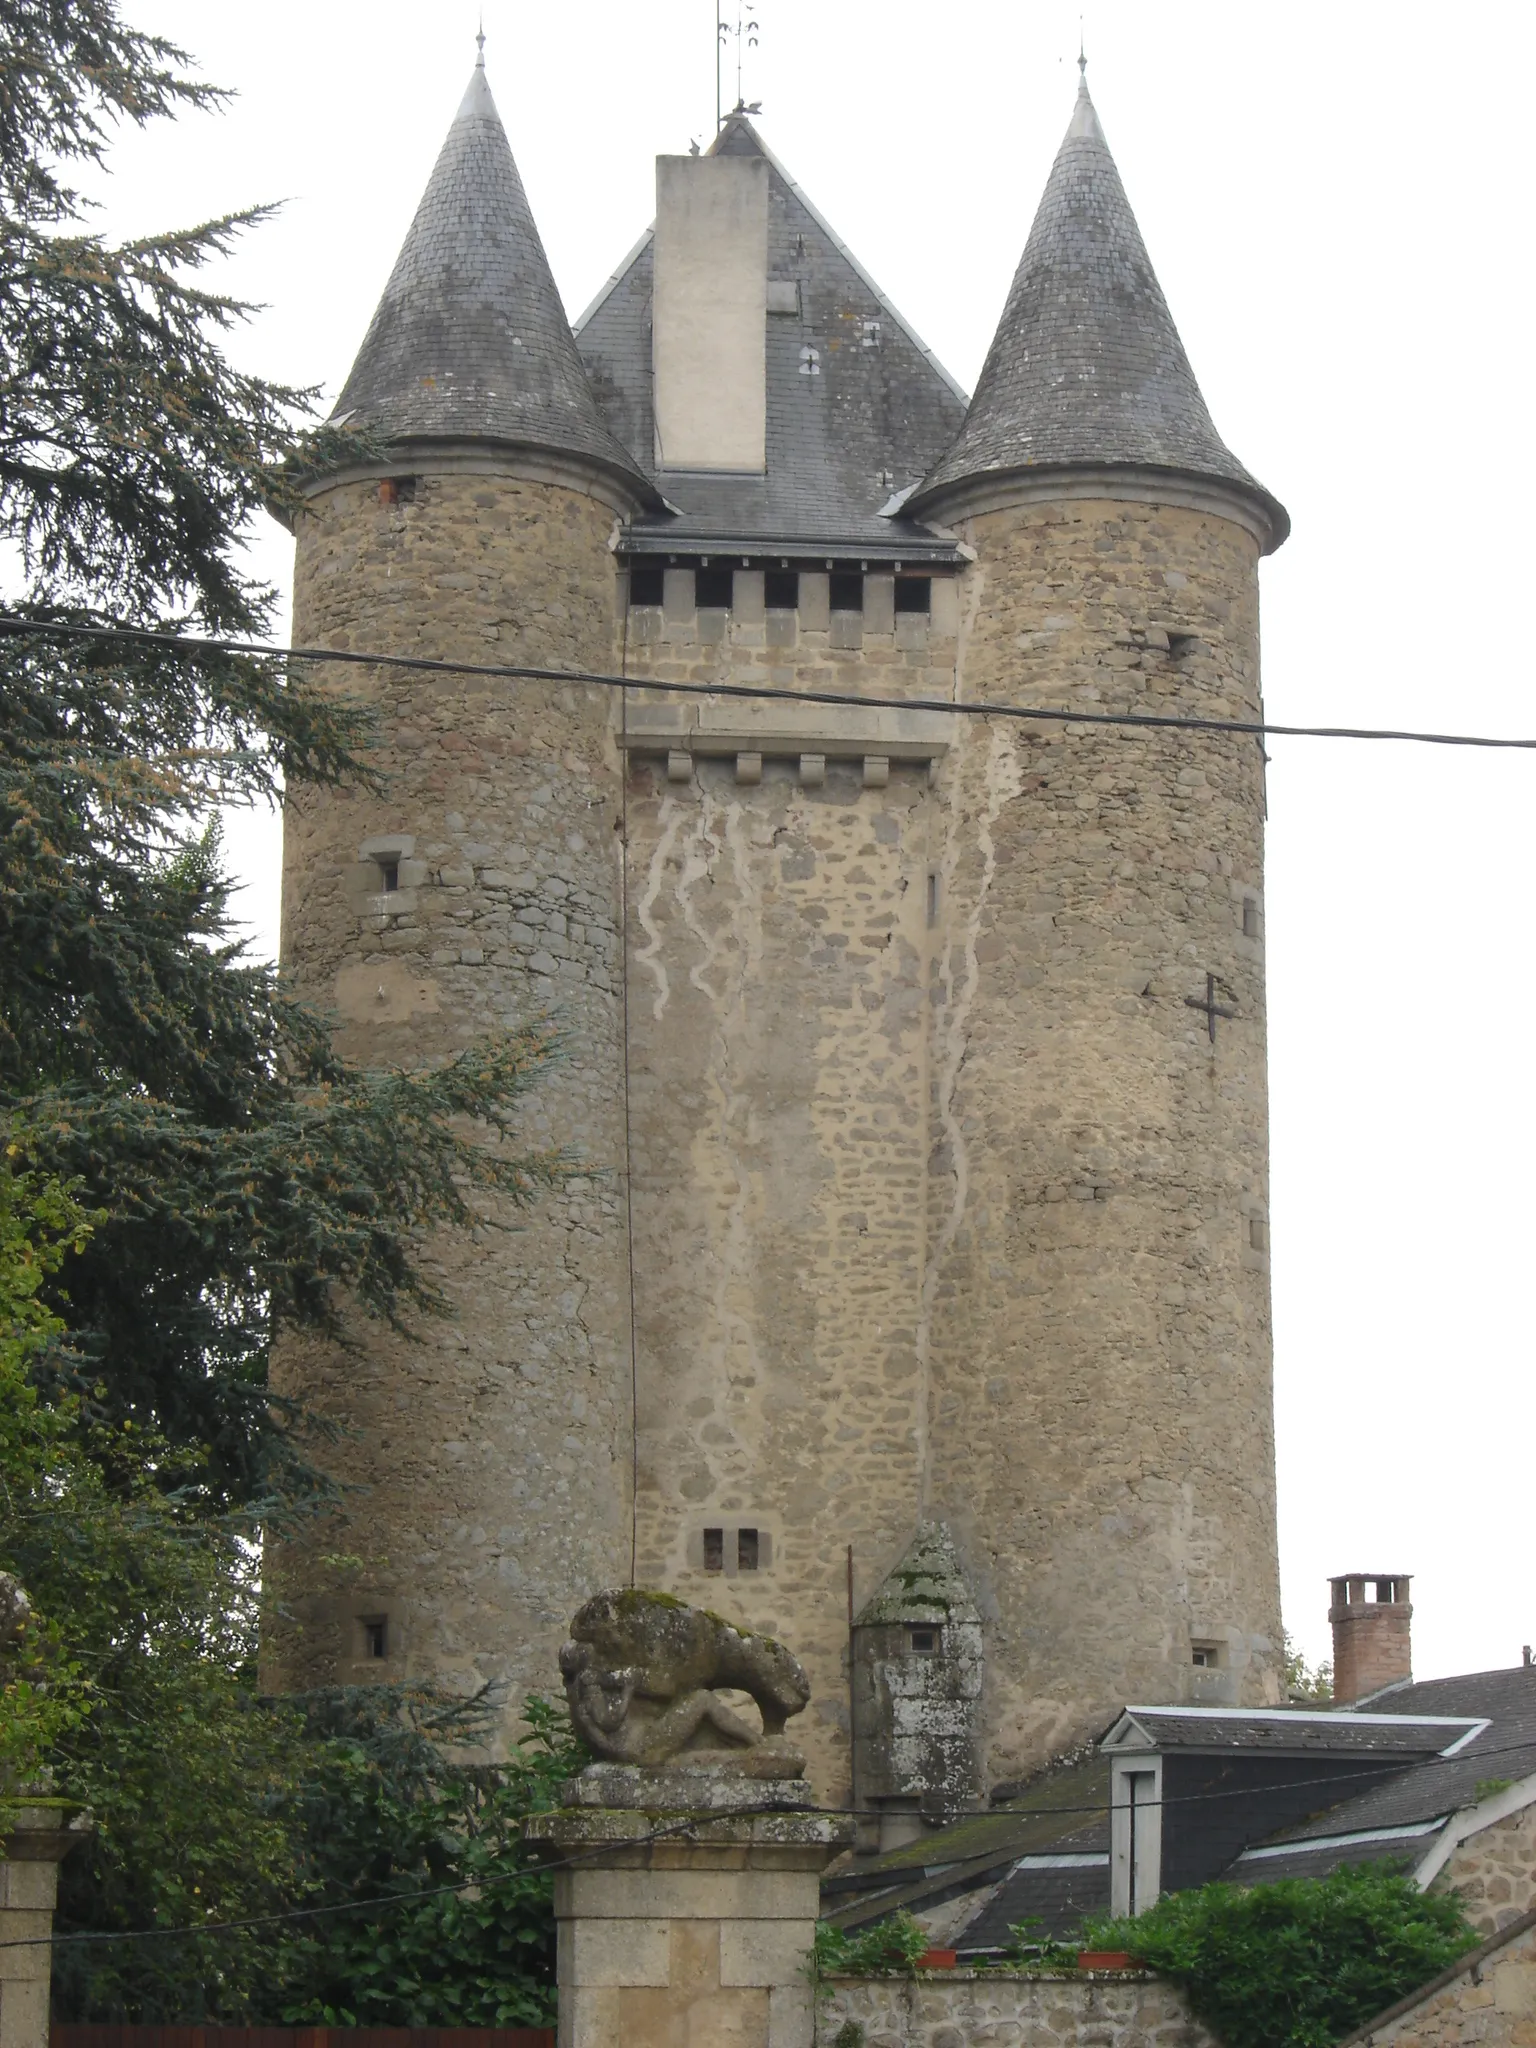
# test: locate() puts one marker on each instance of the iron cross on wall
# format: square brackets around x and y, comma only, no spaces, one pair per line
[1210,1006]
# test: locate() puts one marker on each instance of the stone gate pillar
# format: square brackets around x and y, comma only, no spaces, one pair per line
[686,1923]
[35,1837]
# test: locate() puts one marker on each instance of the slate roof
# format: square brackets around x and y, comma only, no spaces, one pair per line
[841,443]
[928,1585]
[1086,369]
[1291,1731]
[1013,1849]
[470,341]
[1506,1748]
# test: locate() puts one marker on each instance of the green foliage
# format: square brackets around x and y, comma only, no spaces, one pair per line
[1490,1788]
[1306,1682]
[246,1177]
[188,1167]
[1300,1963]
[890,1946]
[384,1815]
[1029,1950]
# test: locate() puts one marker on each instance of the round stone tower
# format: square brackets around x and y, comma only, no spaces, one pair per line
[488,1454]
[1097,1311]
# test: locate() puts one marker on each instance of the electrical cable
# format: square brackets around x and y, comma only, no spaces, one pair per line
[12,624]
[1376,1774]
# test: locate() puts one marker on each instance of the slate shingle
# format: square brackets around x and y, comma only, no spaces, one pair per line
[1086,369]
[858,408]
[470,341]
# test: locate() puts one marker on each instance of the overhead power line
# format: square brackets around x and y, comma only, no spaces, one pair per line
[1261,729]
[1377,1771]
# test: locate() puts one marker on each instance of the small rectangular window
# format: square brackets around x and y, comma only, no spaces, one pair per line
[914,593]
[389,876]
[712,589]
[714,1550]
[375,1637]
[847,592]
[645,583]
[781,590]
[923,1642]
[398,490]
[1205,1656]
[1250,917]
[746,1550]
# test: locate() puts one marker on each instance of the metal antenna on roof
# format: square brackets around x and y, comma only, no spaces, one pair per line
[745,32]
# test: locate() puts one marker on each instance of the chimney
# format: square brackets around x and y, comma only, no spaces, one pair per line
[1371,1645]
[709,313]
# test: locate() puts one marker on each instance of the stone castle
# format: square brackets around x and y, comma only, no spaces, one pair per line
[917,1285]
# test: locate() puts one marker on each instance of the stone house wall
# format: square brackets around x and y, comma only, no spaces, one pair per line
[1494,1872]
[989,2009]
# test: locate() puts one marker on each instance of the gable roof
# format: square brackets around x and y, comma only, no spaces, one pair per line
[470,341]
[1086,369]
[1292,1731]
[858,407]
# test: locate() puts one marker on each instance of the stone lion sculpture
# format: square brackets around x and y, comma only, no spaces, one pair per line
[642,1676]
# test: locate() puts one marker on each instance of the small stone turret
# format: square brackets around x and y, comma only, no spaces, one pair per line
[917,1679]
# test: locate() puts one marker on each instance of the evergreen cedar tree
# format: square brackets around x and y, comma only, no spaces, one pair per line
[186,1167]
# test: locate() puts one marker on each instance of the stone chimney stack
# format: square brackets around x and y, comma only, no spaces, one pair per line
[1372,1646]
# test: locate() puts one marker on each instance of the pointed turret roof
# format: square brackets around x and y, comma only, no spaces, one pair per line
[929,1584]
[1086,370]
[470,341]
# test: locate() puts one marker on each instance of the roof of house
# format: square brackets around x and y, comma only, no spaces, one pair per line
[1291,1730]
[1064,1812]
[1438,1761]
[1086,369]
[875,415]
[1411,1806]
[470,341]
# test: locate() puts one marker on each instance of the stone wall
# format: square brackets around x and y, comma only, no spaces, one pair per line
[969,2008]
[943,1199]
[1494,1872]
[1096,1323]
[492,1450]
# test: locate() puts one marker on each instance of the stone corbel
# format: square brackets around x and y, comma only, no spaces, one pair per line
[873,740]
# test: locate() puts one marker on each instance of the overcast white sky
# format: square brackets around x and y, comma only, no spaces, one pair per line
[1337,200]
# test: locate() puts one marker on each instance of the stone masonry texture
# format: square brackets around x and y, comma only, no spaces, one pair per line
[944,1201]
[489,1452]
[990,2009]
[1494,1872]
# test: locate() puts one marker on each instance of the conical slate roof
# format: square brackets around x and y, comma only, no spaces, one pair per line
[470,341]
[1086,369]
[929,1584]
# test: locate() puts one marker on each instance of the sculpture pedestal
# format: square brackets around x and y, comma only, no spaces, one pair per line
[35,1837]
[687,1930]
